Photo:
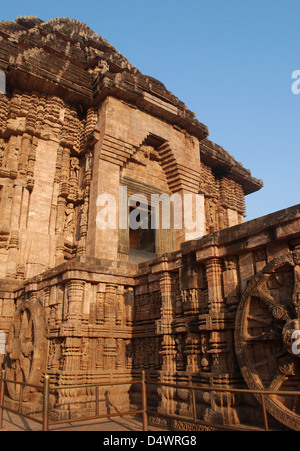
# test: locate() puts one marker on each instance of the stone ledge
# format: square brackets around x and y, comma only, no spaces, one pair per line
[276,225]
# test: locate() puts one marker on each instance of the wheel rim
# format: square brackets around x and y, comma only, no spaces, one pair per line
[26,349]
[267,315]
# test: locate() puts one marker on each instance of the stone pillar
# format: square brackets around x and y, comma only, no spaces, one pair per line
[168,344]
[110,304]
[193,351]
[168,353]
[65,172]
[164,326]
[120,305]
[25,150]
[129,306]
[230,281]
[100,300]
[13,152]
[6,205]
[214,283]
[75,300]
[16,207]
[24,209]
[60,218]
[12,257]
[109,354]
[72,354]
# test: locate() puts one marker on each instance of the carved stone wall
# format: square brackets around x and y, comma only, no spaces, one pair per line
[179,318]
[68,134]
[157,158]
[225,203]
[83,335]
[77,121]
[203,338]
[45,175]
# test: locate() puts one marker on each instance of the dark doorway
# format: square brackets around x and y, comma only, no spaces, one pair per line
[141,234]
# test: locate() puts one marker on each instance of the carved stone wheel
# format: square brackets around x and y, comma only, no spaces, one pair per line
[267,316]
[26,348]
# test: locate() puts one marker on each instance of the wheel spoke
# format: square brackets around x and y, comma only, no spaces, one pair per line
[264,336]
[267,315]
[27,346]
[267,360]
[277,382]
[266,298]
[259,319]
[279,311]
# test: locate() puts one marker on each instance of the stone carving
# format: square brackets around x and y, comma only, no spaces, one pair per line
[26,347]
[266,318]
[80,121]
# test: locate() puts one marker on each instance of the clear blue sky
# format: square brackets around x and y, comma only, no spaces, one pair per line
[230,61]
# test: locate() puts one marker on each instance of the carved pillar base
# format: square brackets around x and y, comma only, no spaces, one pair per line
[221,410]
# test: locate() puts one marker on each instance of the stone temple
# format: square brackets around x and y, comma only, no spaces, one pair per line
[214,304]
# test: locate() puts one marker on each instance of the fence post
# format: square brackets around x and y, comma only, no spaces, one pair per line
[21,398]
[194,404]
[263,404]
[46,402]
[97,400]
[2,391]
[144,402]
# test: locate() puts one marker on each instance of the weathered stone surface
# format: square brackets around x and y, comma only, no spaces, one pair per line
[89,305]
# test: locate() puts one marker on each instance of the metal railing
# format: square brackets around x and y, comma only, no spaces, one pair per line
[195,420]
[46,390]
